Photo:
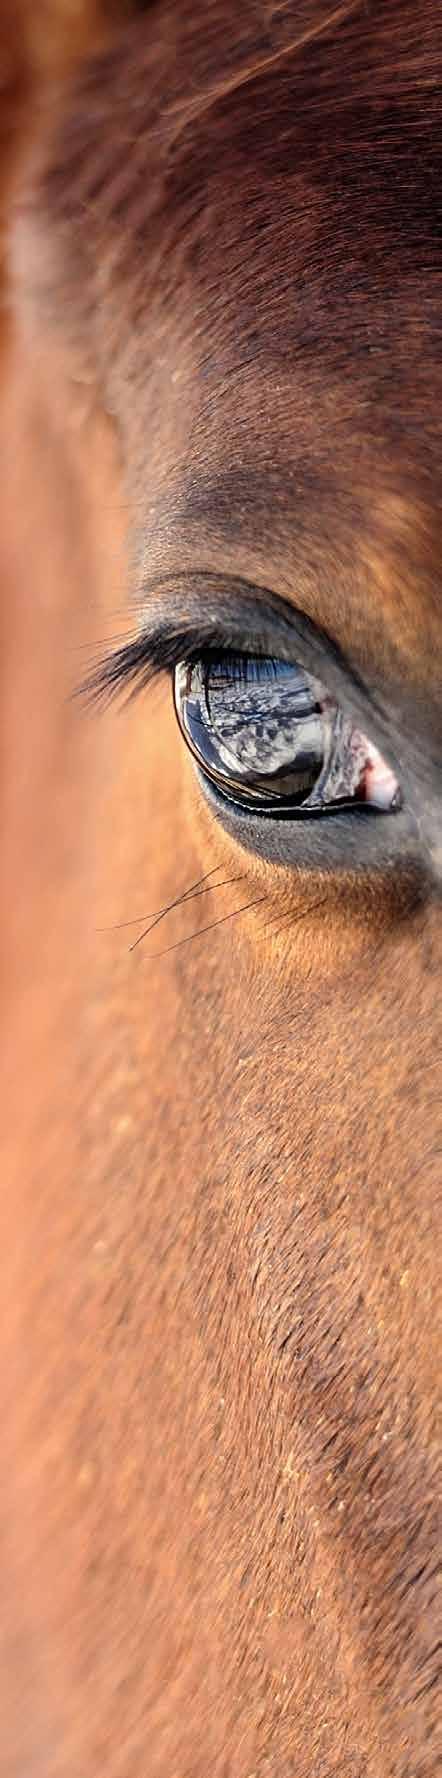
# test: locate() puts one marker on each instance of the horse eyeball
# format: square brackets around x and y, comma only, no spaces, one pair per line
[270,736]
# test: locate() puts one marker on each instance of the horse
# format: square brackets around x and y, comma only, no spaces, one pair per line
[220,541]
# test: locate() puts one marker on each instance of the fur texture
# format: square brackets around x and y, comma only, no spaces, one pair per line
[226,1440]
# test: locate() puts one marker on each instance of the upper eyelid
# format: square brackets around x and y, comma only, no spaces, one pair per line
[237,616]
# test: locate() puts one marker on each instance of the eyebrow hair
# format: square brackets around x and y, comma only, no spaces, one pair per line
[186,615]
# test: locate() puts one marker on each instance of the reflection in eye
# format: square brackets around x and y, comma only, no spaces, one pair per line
[271,737]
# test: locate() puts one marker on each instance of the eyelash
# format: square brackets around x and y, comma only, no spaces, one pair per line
[132,668]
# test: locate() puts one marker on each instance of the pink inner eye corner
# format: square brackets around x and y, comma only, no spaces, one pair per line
[379,786]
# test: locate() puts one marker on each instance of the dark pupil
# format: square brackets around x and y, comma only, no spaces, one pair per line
[257,726]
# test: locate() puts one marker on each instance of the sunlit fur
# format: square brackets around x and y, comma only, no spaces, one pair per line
[221,1358]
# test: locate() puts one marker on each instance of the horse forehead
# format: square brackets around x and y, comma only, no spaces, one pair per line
[259,178]
[283,288]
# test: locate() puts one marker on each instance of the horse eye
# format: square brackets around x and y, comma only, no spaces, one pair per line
[269,737]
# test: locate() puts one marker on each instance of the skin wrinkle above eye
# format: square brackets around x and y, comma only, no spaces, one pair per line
[347,560]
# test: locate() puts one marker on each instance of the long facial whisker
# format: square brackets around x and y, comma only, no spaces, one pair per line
[188,895]
[202,929]
[178,899]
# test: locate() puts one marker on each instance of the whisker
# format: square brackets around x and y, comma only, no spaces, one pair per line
[188,895]
[202,929]
[167,909]
[177,902]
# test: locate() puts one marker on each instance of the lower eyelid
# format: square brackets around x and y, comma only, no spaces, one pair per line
[352,842]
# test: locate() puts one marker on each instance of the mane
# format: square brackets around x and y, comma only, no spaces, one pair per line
[259,64]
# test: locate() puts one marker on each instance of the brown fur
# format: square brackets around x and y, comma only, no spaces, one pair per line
[221,1355]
